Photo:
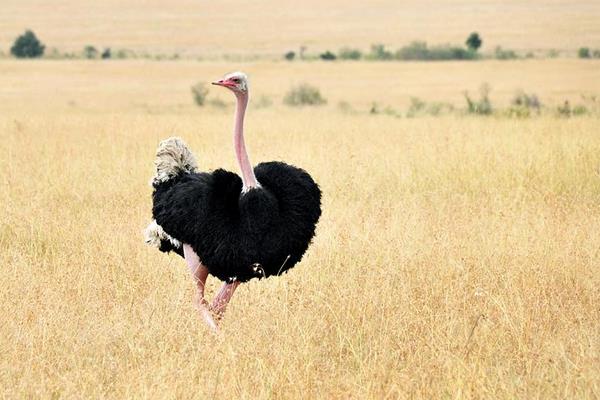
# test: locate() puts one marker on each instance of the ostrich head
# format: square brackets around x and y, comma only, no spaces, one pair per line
[237,82]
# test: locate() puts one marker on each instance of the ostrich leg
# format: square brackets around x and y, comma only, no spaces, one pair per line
[199,273]
[222,298]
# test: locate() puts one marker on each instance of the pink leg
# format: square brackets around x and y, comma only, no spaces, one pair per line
[222,298]
[199,273]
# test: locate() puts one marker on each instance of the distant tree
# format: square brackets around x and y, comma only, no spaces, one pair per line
[27,46]
[290,55]
[583,52]
[106,54]
[90,52]
[327,56]
[474,41]
[596,53]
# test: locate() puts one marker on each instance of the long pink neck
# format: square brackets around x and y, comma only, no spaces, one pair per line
[248,178]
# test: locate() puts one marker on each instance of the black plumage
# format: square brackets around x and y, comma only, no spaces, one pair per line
[239,236]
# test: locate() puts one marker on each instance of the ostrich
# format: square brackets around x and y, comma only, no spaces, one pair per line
[234,228]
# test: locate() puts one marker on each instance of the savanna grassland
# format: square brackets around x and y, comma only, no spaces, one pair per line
[457,256]
[214,28]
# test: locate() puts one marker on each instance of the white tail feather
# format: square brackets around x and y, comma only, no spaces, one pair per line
[172,158]
[154,233]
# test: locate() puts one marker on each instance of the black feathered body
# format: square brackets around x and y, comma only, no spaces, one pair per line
[231,231]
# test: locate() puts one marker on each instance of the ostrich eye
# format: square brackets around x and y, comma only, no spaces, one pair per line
[236,80]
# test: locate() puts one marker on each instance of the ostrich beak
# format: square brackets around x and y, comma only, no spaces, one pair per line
[223,83]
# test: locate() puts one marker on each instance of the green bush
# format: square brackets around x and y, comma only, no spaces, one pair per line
[579,109]
[90,52]
[522,99]
[347,53]
[123,54]
[483,106]
[420,51]
[437,108]
[290,55]
[375,109]
[379,52]
[448,52]
[304,94]
[388,110]
[596,53]
[199,92]
[419,107]
[27,46]
[504,54]
[106,54]
[583,52]
[414,51]
[523,105]
[327,56]
[565,110]
[517,112]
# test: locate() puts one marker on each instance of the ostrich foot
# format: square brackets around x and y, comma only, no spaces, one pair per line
[204,310]
[222,298]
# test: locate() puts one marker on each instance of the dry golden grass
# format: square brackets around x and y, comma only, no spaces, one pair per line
[214,28]
[456,257]
[164,87]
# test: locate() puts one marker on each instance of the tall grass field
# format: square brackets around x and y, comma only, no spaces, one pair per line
[457,256]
